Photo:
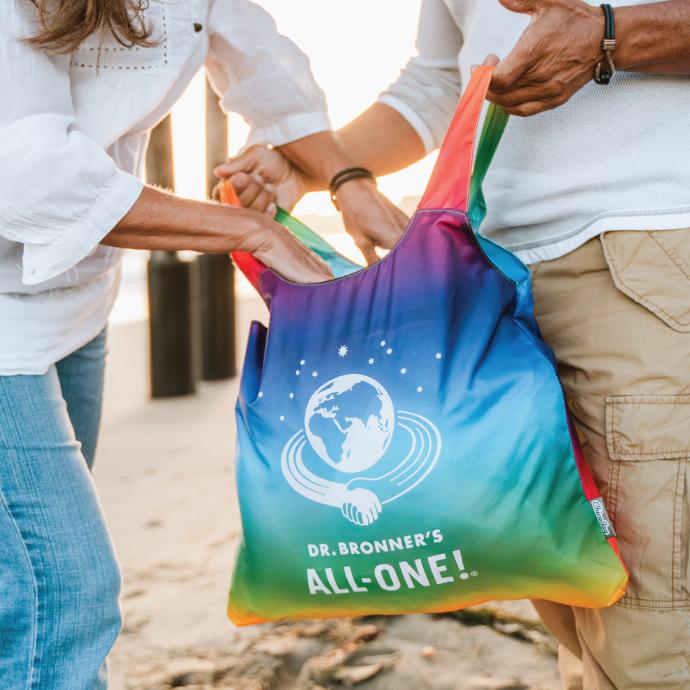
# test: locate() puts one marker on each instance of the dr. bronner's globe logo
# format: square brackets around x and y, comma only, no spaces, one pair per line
[378,454]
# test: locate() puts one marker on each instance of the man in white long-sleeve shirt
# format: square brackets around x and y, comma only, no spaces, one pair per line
[593,191]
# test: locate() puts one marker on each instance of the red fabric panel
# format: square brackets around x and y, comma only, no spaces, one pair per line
[251,267]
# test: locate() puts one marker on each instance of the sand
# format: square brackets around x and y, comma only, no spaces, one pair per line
[164,473]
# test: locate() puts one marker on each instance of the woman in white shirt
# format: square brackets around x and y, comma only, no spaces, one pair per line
[83,82]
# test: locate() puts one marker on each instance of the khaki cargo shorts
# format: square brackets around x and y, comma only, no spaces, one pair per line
[616,311]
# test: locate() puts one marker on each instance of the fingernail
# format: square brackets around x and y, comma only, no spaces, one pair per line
[272,210]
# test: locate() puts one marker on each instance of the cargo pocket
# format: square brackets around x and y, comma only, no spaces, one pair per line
[653,269]
[648,438]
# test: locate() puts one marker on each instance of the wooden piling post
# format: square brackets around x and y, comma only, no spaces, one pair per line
[171,350]
[216,271]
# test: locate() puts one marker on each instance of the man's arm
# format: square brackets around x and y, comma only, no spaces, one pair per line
[409,120]
[379,139]
[556,55]
[654,37]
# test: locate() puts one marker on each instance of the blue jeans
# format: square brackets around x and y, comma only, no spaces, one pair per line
[59,580]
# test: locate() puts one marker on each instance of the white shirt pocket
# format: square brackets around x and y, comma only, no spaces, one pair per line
[103,51]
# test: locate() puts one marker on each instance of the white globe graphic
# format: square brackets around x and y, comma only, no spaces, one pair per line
[349,422]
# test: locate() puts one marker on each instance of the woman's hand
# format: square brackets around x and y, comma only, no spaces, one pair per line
[162,221]
[278,249]
[263,177]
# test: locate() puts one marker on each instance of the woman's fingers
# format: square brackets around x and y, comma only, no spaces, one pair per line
[261,160]
[288,257]
[252,192]
[263,200]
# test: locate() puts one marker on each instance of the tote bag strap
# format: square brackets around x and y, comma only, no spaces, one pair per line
[449,185]
[494,126]
[253,268]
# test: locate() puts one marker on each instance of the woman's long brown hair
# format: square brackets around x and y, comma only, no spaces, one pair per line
[67,23]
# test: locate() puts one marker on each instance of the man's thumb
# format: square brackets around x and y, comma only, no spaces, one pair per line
[491,60]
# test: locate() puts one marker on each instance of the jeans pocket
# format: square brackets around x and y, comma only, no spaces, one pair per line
[648,439]
[653,269]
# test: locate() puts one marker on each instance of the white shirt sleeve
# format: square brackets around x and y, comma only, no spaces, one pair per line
[262,75]
[428,89]
[60,192]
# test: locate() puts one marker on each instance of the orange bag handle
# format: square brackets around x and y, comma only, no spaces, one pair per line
[449,185]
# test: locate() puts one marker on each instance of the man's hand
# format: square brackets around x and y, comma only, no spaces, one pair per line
[370,218]
[553,59]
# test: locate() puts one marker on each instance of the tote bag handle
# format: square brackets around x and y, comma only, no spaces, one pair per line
[453,183]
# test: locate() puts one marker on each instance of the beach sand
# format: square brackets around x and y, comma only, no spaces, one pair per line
[165,476]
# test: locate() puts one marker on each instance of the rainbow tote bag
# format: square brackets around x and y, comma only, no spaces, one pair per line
[403,440]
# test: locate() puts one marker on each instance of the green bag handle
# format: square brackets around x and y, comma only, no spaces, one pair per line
[339,264]
[492,131]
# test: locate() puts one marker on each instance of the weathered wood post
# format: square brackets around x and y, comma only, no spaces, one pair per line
[216,271]
[169,290]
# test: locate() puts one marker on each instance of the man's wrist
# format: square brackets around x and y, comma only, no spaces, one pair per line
[653,37]
[319,156]
[355,188]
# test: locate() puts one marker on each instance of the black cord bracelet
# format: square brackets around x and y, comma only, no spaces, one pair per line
[605,68]
[340,178]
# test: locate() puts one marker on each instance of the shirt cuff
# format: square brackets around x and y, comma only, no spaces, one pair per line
[41,262]
[416,122]
[290,129]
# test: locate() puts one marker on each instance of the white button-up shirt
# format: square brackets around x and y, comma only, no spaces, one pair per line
[73,134]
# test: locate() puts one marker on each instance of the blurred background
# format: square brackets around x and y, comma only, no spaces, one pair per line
[165,464]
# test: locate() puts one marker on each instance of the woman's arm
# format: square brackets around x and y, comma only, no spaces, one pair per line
[162,221]
[61,194]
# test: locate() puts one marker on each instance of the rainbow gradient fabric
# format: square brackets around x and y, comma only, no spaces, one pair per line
[403,441]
